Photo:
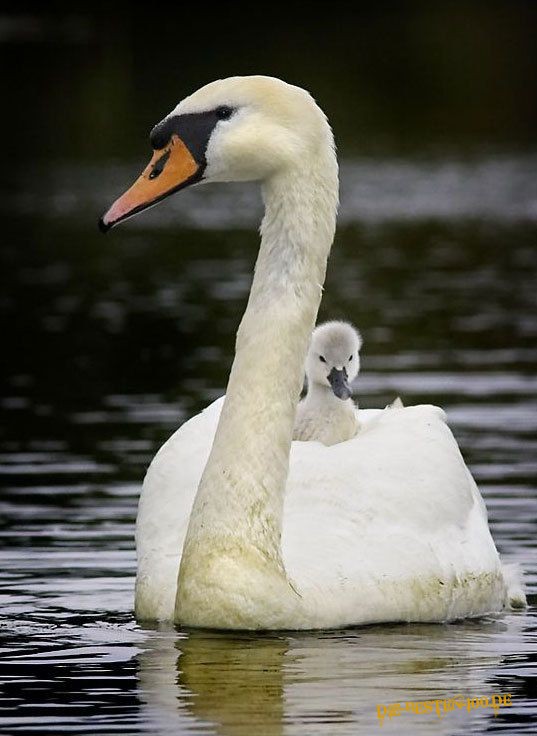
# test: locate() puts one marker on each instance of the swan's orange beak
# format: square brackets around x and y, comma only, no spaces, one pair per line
[170,169]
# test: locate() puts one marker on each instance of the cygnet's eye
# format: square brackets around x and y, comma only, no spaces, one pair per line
[322,359]
[224,112]
[350,357]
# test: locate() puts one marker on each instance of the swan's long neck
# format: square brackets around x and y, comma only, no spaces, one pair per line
[232,546]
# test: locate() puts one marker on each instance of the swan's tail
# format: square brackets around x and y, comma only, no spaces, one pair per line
[397,403]
[516,596]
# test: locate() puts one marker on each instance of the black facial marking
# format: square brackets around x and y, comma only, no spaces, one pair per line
[159,165]
[194,130]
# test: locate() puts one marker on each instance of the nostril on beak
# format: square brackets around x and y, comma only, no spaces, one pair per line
[158,166]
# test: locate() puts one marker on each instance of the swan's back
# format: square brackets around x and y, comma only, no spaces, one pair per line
[387,526]
[390,524]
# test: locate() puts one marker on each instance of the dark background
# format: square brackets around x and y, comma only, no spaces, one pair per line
[89,81]
[84,84]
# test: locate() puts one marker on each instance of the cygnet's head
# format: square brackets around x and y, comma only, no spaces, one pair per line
[334,357]
[235,129]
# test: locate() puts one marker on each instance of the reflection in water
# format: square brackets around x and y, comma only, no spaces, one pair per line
[500,188]
[234,683]
[329,683]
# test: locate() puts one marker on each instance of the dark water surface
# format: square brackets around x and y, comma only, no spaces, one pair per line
[110,343]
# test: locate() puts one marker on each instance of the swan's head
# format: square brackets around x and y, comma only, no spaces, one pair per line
[334,357]
[236,129]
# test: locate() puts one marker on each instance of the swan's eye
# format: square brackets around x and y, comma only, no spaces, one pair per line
[350,358]
[224,112]
[322,359]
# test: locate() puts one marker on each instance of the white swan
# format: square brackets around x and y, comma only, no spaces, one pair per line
[236,529]
[328,414]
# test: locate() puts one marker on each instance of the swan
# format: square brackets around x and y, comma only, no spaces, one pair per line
[237,527]
[328,414]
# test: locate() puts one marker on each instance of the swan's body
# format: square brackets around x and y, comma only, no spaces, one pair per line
[235,530]
[367,536]
[327,413]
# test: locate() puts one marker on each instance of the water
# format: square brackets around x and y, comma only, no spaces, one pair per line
[108,344]
[122,338]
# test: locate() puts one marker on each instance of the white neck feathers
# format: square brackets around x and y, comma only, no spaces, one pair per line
[232,547]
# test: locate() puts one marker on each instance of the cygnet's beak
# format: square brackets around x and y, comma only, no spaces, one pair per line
[170,169]
[340,384]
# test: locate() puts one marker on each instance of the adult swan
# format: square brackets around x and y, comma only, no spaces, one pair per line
[238,528]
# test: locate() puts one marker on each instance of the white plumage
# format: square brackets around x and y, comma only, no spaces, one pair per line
[238,527]
[327,413]
[387,526]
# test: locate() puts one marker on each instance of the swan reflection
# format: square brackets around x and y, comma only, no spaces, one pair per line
[323,683]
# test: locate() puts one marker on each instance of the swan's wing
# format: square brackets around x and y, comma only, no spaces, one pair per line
[389,521]
[166,500]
